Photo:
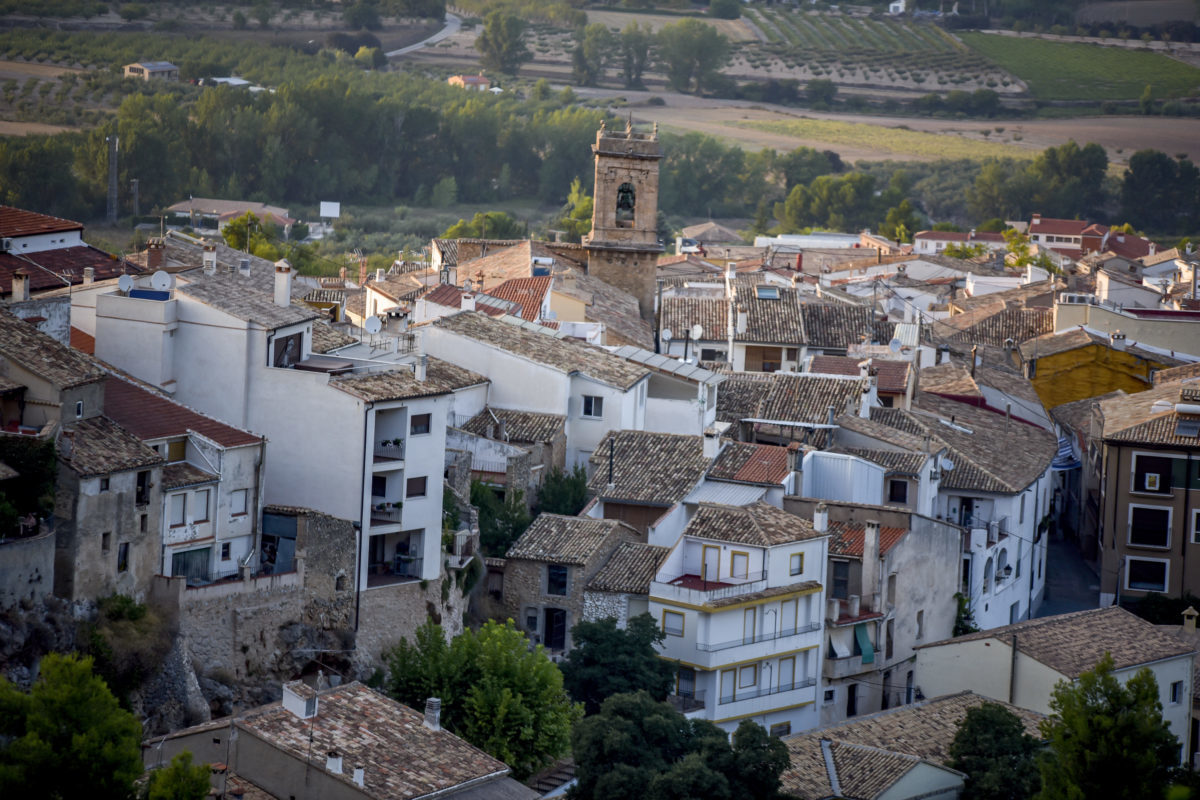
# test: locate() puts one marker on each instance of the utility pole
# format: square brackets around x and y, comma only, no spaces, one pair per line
[112,178]
[133,185]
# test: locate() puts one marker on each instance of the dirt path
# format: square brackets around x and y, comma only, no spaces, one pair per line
[8,128]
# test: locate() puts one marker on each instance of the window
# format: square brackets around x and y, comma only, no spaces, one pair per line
[841,579]
[711,354]
[748,676]
[239,502]
[897,491]
[415,487]
[1149,526]
[177,450]
[1021,519]
[178,510]
[123,557]
[1152,474]
[531,620]
[739,565]
[796,564]
[1146,574]
[200,509]
[891,589]
[766,292]
[672,623]
[142,522]
[421,423]
[920,624]
[142,495]
[556,579]
[1177,692]
[105,542]
[104,484]
[1196,526]
[379,486]
[852,700]
[593,406]
[781,729]
[78,409]
[830,696]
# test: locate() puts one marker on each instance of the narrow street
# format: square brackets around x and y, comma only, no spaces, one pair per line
[1071,584]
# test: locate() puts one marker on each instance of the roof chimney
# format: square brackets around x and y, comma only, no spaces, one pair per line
[244,267]
[870,562]
[712,445]
[333,762]
[358,776]
[283,283]
[741,318]
[1117,340]
[433,714]
[89,275]
[209,259]
[154,254]
[1189,619]
[379,276]
[821,518]
[468,302]
[300,699]
[20,285]
[420,369]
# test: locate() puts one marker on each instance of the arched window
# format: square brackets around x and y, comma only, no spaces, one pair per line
[987,576]
[626,200]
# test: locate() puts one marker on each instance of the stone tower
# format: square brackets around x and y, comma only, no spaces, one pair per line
[623,245]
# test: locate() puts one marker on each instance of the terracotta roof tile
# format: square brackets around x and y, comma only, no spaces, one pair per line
[99,446]
[679,314]
[892,375]
[759,524]
[894,461]
[441,377]
[617,309]
[565,540]
[751,463]
[178,475]
[782,397]
[245,299]
[149,415]
[67,262]
[83,342]
[528,293]
[630,569]
[773,320]
[657,469]
[19,222]
[1132,418]
[1068,227]
[518,426]
[326,338]
[568,356]
[837,327]
[1074,643]
[44,355]
[847,538]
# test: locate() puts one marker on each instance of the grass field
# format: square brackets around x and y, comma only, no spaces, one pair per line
[734,30]
[898,141]
[1066,71]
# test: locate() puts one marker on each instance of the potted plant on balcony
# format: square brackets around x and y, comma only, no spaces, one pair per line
[398,442]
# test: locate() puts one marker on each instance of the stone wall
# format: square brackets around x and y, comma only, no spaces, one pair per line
[602,605]
[26,569]
[388,614]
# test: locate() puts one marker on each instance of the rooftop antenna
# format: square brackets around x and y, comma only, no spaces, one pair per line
[113,141]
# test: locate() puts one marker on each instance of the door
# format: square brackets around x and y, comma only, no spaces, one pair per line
[749,620]
[787,673]
[710,570]
[966,512]
[687,682]
[852,700]
[556,629]
[787,618]
[728,682]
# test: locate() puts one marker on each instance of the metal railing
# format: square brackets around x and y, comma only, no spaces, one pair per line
[389,449]
[750,694]
[756,638]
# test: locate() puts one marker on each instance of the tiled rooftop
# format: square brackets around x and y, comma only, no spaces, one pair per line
[568,356]
[178,475]
[781,397]
[1133,419]
[24,344]
[326,338]
[837,327]
[149,415]
[67,262]
[630,569]
[617,309]
[679,314]
[657,469]
[561,539]
[770,321]
[441,377]
[993,325]
[759,524]
[892,376]
[1074,643]
[528,293]
[99,446]
[847,538]
[244,298]
[751,463]
[921,730]
[399,756]
[896,462]
[19,222]
[518,426]
[1075,338]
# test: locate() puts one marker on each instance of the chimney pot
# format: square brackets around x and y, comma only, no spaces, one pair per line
[855,605]
[433,714]
[821,518]
[420,370]
[1189,619]
[283,283]
[358,776]
[89,275]
[333,762]
[20,285]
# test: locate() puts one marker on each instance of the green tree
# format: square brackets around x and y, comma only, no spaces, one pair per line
[1106,739]
[362,16]
[370,57]
[607,660]
[500,522]
[239,20]
[725,9]
[68,737]
[180,780]
[249,234]
[497,692]
[820,92]
[637,45]
[445,193]
[593,50]
[563,492]
[993,749]
[489,225]
[901,222]
[692,54]
[502,42]
[263,13]
[640,749]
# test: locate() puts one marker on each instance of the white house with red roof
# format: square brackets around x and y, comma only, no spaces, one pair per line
[934,242]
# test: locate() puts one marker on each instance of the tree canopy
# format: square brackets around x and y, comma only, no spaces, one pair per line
[563,492]
[607,661]
[502,42]
[501,522]
[497,692]
[487,225]
[594,48]
[639,749]
[67,737]
[179,780]
[692,54]
[996,753]
[1106,739]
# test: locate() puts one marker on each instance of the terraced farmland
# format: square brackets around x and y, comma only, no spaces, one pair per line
[881,53]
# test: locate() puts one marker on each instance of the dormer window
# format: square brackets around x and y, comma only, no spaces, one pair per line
[767,292]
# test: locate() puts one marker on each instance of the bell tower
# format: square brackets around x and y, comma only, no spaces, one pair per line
[623,245]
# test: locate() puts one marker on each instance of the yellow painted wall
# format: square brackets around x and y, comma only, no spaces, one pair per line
[567,308]
[1088,372]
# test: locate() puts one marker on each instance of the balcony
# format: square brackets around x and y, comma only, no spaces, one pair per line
[745,702]
[714,655]
[390,451]
[713,647]
[402,569]
[386,513]
[694,590]
[846,667]
[688,703]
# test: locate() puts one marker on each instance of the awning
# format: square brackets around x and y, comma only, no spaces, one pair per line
[1065,457]
[864,643]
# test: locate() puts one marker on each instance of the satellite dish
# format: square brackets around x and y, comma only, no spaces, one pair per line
[666,334]
[125,283]
[894,345]
[161,281]
[373,325]
[946,464]
[697,331]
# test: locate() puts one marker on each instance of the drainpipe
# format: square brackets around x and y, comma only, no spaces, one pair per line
[1187,516]
[368,452]
[1012,674]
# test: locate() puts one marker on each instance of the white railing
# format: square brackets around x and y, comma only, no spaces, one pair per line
[755,582]
[389,449]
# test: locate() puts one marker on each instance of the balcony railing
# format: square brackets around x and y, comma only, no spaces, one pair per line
[694,589]
[391,514]
[762,637]
[687,702]
[390,450]
[750,694]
